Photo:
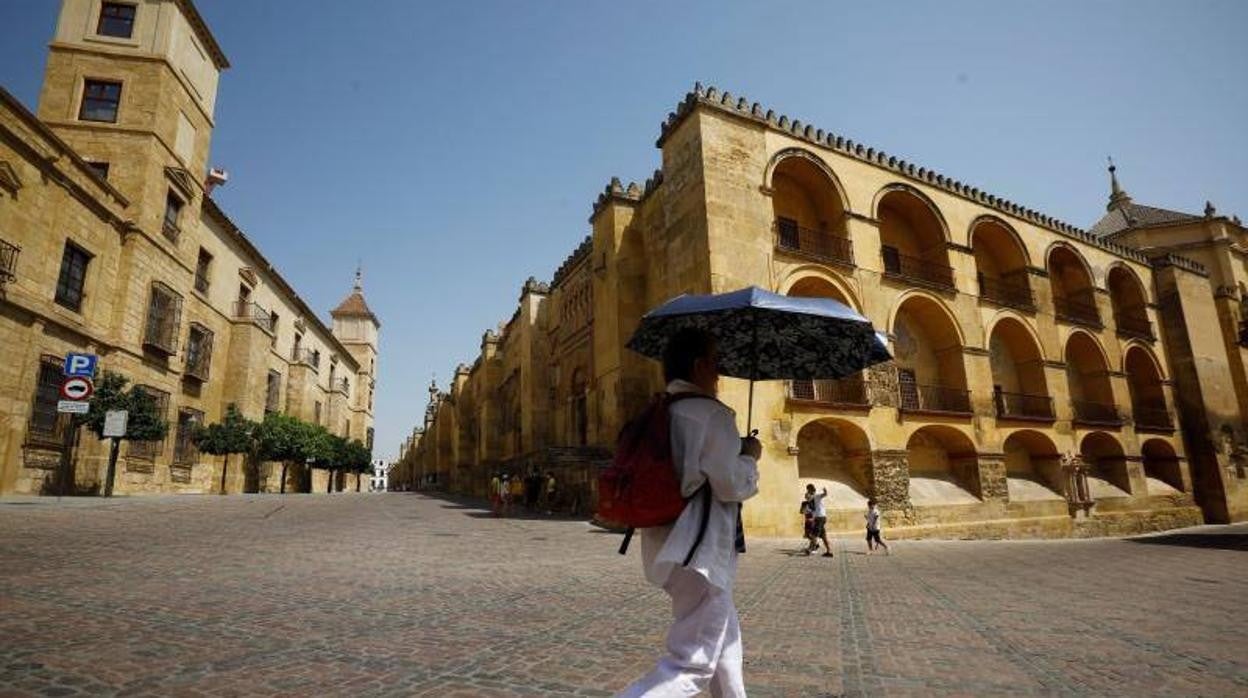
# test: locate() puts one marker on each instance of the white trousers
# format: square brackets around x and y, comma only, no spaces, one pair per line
[703,644]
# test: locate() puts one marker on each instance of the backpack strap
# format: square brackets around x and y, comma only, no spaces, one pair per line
[705,489]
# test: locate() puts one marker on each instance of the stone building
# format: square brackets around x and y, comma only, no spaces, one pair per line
[1047,380]
[110,243]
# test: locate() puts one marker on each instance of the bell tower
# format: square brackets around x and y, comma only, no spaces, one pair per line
[357,328]
[131,85]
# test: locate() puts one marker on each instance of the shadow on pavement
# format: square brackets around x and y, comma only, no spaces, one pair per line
[1216,541]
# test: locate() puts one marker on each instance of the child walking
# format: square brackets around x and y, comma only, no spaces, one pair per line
[873,528]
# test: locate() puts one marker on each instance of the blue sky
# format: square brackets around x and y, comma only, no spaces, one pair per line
[459,145]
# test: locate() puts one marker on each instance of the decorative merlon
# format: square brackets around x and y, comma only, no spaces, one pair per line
[631,194]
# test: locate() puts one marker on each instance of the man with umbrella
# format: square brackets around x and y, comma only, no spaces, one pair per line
[704,642]
[752,334]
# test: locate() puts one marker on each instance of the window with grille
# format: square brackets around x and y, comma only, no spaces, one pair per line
[184,450]
[100,99]
[149,450]
[272,396]
[116,19]
[198,351]
[73,276]
[46,423]
[203,268]
[164,314]
[173,209]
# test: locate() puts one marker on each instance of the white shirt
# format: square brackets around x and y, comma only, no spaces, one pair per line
[817,506]
[706,447]
[873,519]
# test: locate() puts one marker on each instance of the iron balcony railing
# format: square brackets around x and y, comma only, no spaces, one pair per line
[1023,405]
[1133,322]
[915,397]
[1078,307]
[851,390]
[305,356]
[1152,417]
[1095,412]
[8,261]
[916,269]
[815,244]
[1014,292]
[254,312]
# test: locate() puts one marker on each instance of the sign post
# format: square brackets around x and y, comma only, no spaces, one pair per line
[79,370]
[115,422]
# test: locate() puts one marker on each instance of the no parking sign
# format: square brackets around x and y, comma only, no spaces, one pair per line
[77,388]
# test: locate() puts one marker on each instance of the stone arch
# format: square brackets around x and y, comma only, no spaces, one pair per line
[809,208]
[1144,383]
[928,351]
[1016,360]
[902,187]
[1033,467]
[1073,285]
[944,466]
[1108,475]
[1163,473]
[1001,262]
[816,281]
[1129,299]
[1087,374]
[835,454]
[817,162]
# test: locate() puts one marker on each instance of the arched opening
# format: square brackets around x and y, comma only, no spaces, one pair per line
[1162,472]
[1019,390]
[1091,395]
[1074,299]
[1130,304]
[931,375]
[1033,468]
[810,218]
[944,467]
[912,240]
[850,390]
[1148,397]
[1001,266]
[835,454]
[1107,466]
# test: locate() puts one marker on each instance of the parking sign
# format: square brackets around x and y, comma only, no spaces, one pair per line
[80,365]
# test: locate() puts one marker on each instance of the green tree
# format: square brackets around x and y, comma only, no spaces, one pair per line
[143,424]
[233,434]
[328,450]
[357,459]
[281,438]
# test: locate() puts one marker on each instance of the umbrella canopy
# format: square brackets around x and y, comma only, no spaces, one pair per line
[762,335]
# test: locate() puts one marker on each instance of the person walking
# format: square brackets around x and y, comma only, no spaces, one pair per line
[517,490]
[873,528]
[704,641]
[548,492]
[496,501]
[820,529]
[504,493]
[808,524]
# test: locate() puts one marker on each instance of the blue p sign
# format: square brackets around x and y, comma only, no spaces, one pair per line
[80,365]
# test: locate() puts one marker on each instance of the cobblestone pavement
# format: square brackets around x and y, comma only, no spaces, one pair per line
[401,594]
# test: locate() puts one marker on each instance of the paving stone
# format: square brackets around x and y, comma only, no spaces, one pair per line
[404,594]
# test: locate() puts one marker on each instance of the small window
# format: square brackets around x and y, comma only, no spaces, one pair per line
[203,269]
[272,395]
[73,276]
[45,422]
[184,450]
[296,349]
[100,168]
[100,99]
[116,19]
[164,315]
[173,209]
[273,318]
[198,352]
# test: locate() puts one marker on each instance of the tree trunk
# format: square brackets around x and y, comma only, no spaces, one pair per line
[283,490]
[329,484]
[357,481]
[225,466]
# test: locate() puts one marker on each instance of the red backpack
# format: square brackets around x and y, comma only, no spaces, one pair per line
[641,488]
